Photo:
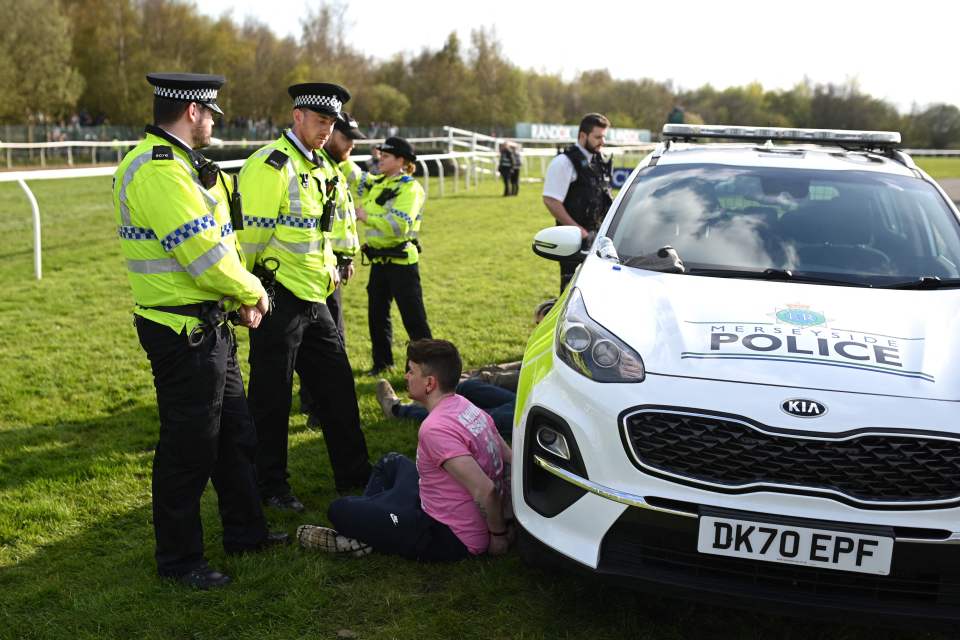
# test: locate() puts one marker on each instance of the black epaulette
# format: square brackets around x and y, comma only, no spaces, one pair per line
[162,152]
[277,159]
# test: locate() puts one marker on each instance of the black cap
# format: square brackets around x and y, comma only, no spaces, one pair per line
[346,125]
[187,87]
[322,97]
[399,147]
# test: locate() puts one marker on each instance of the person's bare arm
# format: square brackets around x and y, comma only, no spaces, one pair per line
[559,212]
[468,473]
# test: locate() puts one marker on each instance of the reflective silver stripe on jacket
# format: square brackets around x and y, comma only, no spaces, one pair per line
[160,265]
[207,260]
[252,248]
[297,247]
[374,233]
[394,224]
[293,192]
[125,180]
[345,243]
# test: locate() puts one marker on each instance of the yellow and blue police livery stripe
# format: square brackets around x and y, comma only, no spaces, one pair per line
[259,221]
[401,214]
[188,230]
[297,221]
[136,233]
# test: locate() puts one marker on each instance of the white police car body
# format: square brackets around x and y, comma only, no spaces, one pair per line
[773,421]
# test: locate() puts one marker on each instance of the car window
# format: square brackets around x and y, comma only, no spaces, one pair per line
[865,225]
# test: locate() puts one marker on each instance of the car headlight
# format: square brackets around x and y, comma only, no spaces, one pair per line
[590,349]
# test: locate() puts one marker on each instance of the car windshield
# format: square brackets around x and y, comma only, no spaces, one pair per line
[863,227]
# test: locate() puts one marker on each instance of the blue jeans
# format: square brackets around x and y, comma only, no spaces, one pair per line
[500,403]
[388,516]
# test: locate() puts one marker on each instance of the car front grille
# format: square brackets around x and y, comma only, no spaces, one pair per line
[727,454]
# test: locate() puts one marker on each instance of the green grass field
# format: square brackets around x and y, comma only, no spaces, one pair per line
[78,424]
[940,167]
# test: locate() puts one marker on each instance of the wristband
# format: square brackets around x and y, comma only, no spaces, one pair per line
[497,533]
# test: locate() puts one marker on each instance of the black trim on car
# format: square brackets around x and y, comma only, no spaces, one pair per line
[781,486]
[544,492]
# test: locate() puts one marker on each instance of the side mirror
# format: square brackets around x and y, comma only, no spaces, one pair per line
[557,243]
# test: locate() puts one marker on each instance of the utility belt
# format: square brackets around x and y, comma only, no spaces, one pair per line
[290,299]
[210,314]
[398,251]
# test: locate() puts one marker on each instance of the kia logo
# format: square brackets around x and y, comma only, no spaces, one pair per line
[803,408]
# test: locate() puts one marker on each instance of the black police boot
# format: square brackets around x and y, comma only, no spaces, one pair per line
[288,502]
[204,578]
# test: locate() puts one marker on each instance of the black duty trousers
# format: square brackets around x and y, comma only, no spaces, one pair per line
[335,305]
[277,348]
[567,269]
[388,282]
[205,433]
[389,518]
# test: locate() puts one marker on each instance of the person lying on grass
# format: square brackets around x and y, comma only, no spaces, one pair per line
[453,502]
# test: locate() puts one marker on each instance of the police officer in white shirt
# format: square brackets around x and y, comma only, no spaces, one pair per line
[576,189]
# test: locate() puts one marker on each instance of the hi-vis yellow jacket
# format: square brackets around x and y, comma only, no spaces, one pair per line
[346,243]
[284,192]
[176,236]
[353,172]
[394,207]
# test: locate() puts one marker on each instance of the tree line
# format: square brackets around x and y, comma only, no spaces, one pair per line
[61,57]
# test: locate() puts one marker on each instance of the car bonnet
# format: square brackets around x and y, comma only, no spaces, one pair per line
[793,334]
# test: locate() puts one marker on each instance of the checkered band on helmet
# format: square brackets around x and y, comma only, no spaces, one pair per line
[189,95]
[310,100]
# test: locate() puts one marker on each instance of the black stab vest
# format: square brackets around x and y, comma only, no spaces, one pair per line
[588,197]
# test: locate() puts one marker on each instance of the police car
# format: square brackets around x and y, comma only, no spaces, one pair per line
[749,392]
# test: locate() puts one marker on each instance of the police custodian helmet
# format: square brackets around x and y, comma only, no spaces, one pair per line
[188,87]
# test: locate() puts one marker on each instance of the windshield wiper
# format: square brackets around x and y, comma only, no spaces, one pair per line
[924,282]
[774,274]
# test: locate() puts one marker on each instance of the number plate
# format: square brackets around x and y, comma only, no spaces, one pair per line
[788,544]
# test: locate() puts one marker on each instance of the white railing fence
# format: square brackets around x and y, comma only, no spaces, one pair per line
[468,166]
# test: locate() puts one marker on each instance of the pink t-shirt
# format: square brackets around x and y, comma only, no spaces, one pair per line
[454,428]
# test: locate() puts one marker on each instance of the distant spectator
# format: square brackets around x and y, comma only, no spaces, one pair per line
[517,165]
[506,167]
[676,115]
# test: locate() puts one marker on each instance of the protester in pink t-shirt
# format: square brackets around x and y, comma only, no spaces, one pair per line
[456,428]
[454,502]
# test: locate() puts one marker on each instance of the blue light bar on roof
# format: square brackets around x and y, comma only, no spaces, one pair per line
[834,136]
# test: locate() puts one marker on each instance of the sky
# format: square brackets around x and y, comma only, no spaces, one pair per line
[891,49]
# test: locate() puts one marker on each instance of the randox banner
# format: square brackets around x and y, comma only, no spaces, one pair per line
[540,131]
